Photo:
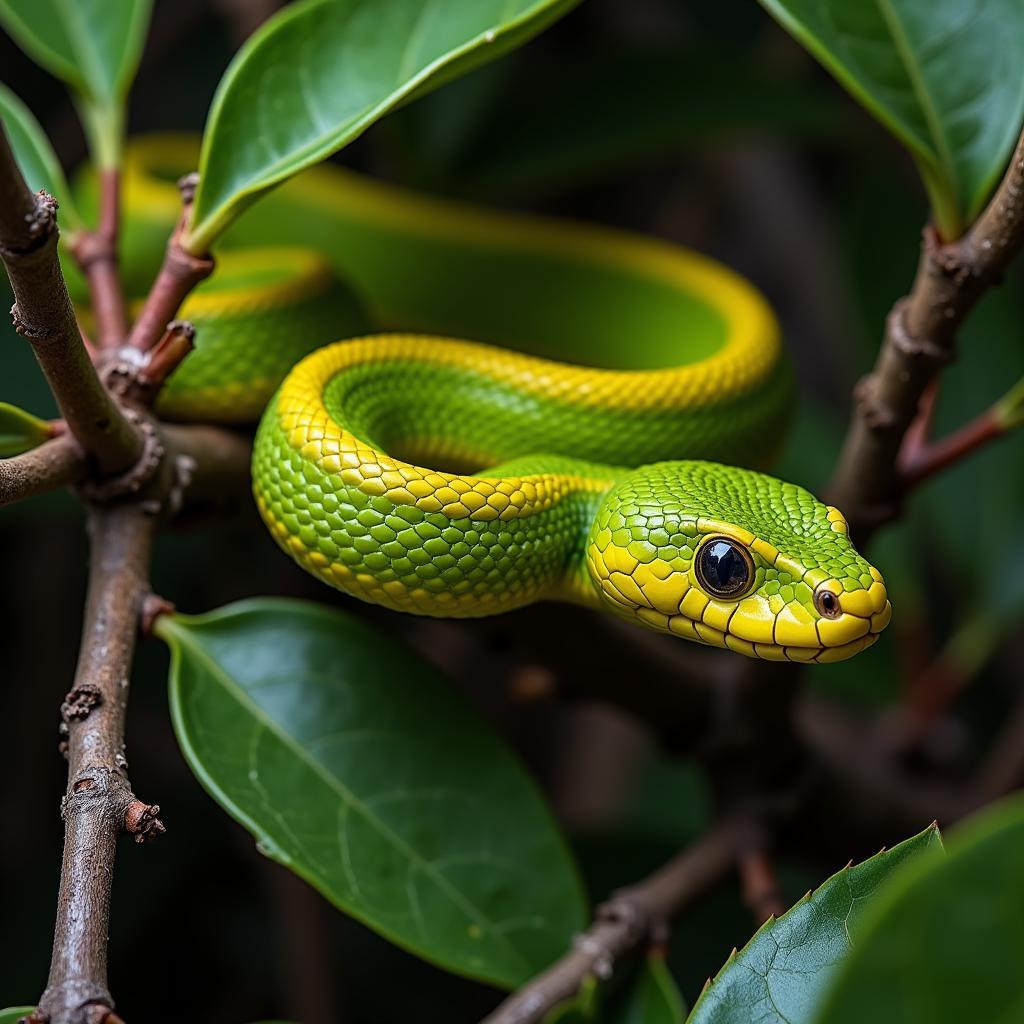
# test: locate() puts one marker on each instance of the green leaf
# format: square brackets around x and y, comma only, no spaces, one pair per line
[322,71]
[581,1008]
[355,764]
[945,943]
[35,155]
[779,976]
[92,45]
[943,75]
[14,1014]
[1009,410]
[652,998]
[20,430]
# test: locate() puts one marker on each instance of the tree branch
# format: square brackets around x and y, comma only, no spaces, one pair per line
[99,803]
[179,274]
[53,464]
[96,254]
[631,918]
[219,461]
[920,339]
[43,314]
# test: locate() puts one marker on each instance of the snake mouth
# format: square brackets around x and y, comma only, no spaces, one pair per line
[820,654]
[823,641]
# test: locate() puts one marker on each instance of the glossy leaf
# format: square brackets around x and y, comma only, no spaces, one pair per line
[945,943]
[943,75]
[652,998]
[14,1014]
[780,975]
[355,764]
[322,71]
[94,46]
[35,155]
[20,430]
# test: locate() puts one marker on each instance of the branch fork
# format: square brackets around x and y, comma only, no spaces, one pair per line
[920,339]
[114,451]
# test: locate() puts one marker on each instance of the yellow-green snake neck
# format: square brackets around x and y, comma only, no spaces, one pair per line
[454,478]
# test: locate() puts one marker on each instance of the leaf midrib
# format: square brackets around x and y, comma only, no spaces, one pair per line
[457,898]
[917,82]
[82,46]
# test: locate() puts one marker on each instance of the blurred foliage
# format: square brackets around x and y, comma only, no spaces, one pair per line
[651,998]
[92,45]
[641,993]
[35,156]
[19,430]
[599,116]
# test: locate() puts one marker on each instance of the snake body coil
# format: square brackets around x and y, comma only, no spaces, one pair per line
[459,479]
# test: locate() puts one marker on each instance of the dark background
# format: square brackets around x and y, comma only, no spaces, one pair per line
[701,123]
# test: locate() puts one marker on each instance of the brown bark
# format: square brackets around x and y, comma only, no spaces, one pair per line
[920,339]
[179,274]
[99,795]
[96,254]
[53,464]
[43,314]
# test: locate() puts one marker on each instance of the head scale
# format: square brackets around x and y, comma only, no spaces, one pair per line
[735,559]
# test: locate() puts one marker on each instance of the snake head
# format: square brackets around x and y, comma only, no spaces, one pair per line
[735,559]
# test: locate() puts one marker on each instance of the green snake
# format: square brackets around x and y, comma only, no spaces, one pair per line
[455,478]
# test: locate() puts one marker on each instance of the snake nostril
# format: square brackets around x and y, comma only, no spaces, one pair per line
[827,604]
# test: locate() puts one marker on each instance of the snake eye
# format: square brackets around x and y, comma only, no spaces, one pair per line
[724,568]
[827,604]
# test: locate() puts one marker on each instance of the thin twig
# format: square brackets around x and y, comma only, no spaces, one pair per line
[920,340]
[168,354]
[631,918]
[933,457]
[53,464]
[762,892]
[179,274]
[99,804]
[43,314]
[96,255]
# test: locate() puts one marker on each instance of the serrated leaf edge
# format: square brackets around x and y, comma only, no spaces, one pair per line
[806,898]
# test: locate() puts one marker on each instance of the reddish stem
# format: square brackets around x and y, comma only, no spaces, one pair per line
[166,356]
[919,433]
[96,254]
[180,273]
[761,890]
[917,465]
